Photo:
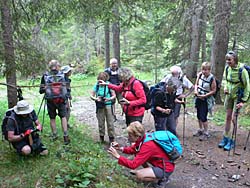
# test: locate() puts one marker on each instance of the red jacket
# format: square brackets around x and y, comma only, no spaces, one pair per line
[135,108]
[148,152]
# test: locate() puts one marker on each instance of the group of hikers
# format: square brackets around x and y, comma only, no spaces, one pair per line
[119,84]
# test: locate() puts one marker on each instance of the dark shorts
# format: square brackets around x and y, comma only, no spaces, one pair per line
[54,109]
[37,146]
[202,109]
[159,173]
[130,119]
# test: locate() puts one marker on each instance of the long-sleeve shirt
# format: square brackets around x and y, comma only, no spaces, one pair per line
[146,152]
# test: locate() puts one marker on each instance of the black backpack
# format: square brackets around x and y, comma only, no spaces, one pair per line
[9,114]
[146,91]
[159,87]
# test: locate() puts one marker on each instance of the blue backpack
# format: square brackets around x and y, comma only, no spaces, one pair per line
[160,87]
[168,142]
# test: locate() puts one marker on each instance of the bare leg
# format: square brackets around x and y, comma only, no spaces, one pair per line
[53,126]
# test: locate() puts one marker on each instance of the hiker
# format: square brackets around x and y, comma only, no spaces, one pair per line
[164,108]
[67,70]
[149,152]
[103,97]
[133,104]
[22,133]
[114,79]
[236,94]
[53,84]
[205,87]
[182,83]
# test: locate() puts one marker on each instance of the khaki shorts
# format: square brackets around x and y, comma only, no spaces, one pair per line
[230,103]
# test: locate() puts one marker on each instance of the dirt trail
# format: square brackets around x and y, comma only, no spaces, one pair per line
[203,165]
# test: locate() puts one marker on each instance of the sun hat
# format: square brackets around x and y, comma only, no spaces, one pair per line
[23,107]
[66,69]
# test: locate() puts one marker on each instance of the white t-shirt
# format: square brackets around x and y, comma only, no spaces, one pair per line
[186,83]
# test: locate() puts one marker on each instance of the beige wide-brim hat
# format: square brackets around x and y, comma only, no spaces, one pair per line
[23,107]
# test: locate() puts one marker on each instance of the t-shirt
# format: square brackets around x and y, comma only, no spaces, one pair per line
[186,83]
[23,123]
[100,92]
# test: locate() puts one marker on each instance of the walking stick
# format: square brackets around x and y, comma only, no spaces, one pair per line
[41,105]
[184,121]
[245,147]
[234,133]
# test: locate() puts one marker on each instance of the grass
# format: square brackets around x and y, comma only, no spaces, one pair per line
[83,163]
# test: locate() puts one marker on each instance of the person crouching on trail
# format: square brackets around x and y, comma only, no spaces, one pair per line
[22,132]
[148,152]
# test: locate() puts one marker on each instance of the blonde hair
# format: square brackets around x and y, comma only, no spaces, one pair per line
[136,128]
[125,73]
[206,65]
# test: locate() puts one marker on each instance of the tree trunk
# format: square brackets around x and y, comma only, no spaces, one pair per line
[220,38]
[107,46]
[204,31]
[116,36]
[9,56]
[195,36]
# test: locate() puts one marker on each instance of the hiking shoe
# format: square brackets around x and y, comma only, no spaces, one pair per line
[161,183]
[198,133]
[66,140]
[223,142]
[230,145]
[44,152]
[204,136]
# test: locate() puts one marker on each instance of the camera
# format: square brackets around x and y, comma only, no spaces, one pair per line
[114,144]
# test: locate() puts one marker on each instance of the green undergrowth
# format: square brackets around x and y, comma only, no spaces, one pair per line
[83,163]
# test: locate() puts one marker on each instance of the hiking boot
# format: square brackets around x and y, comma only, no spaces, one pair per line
[66,140]
[161,183]
[204,136]
[230,145]
[223,142]
[198,133]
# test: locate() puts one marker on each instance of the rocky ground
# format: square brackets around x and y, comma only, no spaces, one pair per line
[203,164]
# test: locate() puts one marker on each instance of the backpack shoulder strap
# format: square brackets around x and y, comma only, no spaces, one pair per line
[132,87]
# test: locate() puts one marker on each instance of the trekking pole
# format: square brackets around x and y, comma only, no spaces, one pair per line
[234,133]
[41,105]
[184,121]
[245,147]
[44,111]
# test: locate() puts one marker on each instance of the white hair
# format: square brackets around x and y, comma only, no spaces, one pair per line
[176,68]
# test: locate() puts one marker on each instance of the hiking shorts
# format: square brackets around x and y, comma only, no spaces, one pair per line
[159,173]
[230,103]
[38,147]
[54,109]
[202,109]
